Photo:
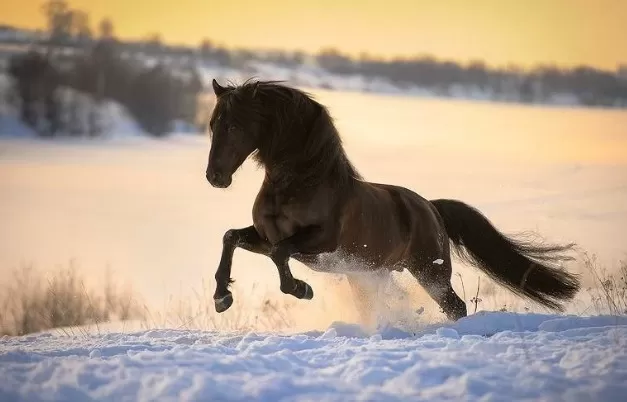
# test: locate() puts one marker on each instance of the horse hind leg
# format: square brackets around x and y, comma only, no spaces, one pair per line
[434,275]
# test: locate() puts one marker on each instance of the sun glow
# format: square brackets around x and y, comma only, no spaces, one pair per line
[499,32]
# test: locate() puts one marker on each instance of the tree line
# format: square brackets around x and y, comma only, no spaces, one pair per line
[59,93]
[101,68]
[591,86]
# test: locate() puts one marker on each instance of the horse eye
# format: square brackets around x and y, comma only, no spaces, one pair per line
[231,128]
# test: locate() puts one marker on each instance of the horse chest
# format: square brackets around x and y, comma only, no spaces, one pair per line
[275,217]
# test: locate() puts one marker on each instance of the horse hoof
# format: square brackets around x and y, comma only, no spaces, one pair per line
[303,290]
[308,292]
[223,303]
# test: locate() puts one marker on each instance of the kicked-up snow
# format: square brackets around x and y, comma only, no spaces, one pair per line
[487,357]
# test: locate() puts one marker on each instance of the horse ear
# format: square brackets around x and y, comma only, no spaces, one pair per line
[217,89]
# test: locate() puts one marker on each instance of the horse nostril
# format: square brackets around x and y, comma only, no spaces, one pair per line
[215,177]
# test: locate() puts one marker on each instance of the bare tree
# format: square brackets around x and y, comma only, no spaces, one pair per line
[58,19]
[80,24]
[106,29]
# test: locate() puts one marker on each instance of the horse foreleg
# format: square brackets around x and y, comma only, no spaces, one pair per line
[310,240]
[246,238]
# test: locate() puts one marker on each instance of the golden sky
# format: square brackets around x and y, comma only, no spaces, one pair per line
[525,32]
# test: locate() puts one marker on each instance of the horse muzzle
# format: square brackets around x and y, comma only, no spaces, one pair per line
[219,180]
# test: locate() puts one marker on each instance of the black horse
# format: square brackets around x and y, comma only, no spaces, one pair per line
[313,203]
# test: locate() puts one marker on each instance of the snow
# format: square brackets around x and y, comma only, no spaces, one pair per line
[142,207]
[12,127]
[116,121]
[531,357]
[117,124]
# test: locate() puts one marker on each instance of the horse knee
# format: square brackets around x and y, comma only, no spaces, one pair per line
[230,237]
[279,254]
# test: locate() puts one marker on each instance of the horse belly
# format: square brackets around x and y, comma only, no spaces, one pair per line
[337,262]
[375,241]
[379,227]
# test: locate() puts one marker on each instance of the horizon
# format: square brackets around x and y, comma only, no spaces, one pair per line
[492,25]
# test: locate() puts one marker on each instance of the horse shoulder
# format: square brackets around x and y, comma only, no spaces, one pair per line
[279,214]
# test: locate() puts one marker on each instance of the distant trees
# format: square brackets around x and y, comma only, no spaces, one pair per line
[80,28]
[106,68]
[58,19]
[66,94]
[591,86]
[477,74]
[63,23]
[37,82]
[157,98]
[154,96]
[208,52]
[47,104]
[332,61]
[153,42]
[106,29]
[206,47]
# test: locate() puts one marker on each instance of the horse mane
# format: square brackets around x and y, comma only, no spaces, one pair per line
[299,144]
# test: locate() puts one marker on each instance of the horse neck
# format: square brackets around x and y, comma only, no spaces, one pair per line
[310,173]
[311,156]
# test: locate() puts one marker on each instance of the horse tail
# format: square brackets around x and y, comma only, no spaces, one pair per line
[526,268]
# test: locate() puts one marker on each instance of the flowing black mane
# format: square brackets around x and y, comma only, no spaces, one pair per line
[299,141]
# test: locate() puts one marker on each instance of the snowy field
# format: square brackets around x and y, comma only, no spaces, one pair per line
[142,207]
[487,357]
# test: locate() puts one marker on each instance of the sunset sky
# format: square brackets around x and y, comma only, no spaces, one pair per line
[524,32]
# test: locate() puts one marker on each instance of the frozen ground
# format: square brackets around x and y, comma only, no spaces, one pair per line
[487,357]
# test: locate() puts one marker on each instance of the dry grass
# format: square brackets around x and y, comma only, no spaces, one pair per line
[33,301]
[199,313]
[608,290]
[604,291]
